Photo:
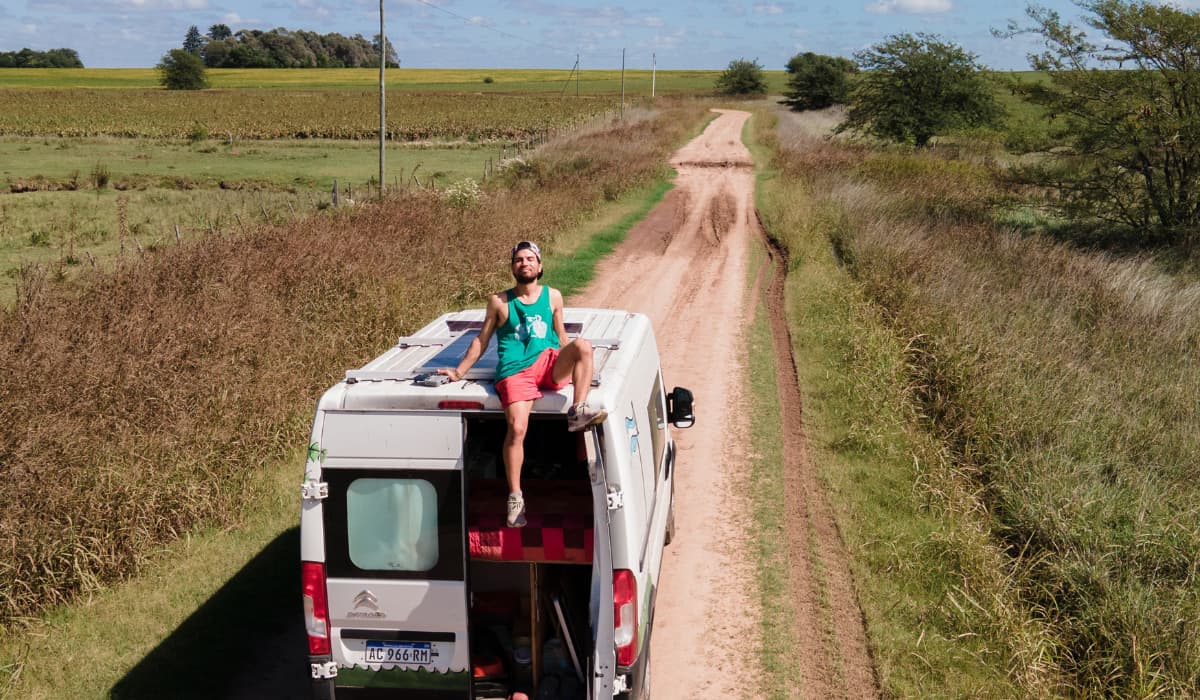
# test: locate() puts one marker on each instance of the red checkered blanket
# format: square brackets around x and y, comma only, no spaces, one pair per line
[559,529]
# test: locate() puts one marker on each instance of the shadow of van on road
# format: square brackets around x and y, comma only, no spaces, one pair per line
[246,641]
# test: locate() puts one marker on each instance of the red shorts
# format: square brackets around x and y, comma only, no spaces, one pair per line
[525,385]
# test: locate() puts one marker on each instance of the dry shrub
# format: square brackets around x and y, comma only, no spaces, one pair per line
[149,403]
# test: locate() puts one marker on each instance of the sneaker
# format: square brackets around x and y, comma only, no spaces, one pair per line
[583,416]
[516,510]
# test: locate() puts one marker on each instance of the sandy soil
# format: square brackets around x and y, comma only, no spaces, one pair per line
[685,266]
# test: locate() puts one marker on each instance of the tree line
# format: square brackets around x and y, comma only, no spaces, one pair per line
[1123,111]
[28,58]
[221,47]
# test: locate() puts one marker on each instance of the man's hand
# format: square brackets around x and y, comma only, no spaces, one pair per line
[452,373]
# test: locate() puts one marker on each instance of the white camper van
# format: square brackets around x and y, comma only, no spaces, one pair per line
[412,585]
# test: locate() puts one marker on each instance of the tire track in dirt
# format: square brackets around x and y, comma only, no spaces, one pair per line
[829,621]
[685,267]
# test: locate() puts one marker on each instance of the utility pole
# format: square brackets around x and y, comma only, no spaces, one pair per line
[578,70]
[382,103]
[653,73]
[622,84]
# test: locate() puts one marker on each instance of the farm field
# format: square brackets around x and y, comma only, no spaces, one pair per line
[88,173]
[259,114]
[590,82]
[68,203]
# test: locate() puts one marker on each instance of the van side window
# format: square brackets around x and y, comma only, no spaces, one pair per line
[657,412]
[392,524]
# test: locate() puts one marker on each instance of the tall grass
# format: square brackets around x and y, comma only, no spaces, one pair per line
[147,403]
[1061,388]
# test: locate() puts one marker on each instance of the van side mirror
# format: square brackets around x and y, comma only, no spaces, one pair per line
[679,407]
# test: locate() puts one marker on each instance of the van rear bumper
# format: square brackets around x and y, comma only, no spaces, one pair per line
[326,689]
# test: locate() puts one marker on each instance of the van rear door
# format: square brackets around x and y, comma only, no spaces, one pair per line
[395,554]
[603,664]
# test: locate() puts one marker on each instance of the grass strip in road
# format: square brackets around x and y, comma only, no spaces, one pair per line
[571,262]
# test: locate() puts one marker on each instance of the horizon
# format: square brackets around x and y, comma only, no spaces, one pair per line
[536,34]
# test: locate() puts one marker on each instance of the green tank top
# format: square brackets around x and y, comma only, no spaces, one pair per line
[528,331]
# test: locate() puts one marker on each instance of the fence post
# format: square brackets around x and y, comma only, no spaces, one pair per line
[177,241]
[335,192]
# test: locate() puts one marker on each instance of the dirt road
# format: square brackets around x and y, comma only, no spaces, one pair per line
[685,266]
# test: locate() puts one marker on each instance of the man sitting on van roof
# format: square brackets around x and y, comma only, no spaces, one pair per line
[533,355]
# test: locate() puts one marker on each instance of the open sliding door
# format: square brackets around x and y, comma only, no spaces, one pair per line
[603,664]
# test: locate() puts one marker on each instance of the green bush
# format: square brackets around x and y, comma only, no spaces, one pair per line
[182,70]
[742,77]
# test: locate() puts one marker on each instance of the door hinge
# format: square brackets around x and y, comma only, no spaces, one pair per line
[620,685]
[313,490]
[324,670]
[616,499]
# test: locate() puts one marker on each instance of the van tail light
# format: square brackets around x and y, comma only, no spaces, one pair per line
[625,616]
[316,607]
[461,405]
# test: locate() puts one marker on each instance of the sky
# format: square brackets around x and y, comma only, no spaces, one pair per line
[671,34]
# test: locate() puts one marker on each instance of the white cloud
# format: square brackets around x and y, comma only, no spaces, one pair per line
[164,4]
[768,8]
[909,7]
[29,29]
[231,18]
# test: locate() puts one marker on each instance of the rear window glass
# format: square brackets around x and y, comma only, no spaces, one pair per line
[392,524]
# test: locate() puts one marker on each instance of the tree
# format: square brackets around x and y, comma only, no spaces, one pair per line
[28,58]
[182,70]
[817,82]
[1134,135]
[193,42]
[742,77]
[393,60]
[915,87]
[219,32]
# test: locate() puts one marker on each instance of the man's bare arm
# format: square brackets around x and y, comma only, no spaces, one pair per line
[556,310]
[479,343]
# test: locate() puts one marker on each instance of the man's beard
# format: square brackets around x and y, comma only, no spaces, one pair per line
[524,279]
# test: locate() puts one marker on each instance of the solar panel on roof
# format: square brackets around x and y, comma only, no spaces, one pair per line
[453,353]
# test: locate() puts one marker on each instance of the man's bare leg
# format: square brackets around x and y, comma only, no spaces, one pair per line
[517,415]
[576,360]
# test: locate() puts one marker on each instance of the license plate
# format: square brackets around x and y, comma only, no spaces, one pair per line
[402,653]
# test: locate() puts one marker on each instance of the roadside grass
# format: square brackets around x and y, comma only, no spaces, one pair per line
[591,82]
[922,622]
[163,633]
[96,647]
[1048,396]
[778,638]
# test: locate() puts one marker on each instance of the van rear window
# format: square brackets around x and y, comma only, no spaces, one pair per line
[392,524]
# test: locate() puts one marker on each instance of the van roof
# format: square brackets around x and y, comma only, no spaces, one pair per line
[386,382]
